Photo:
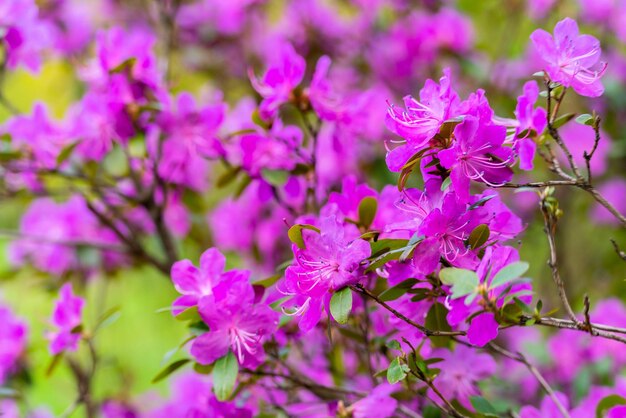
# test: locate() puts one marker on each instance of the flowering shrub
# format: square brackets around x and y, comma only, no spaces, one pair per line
[325,251]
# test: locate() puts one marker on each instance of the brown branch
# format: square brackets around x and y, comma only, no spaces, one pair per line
[519,357]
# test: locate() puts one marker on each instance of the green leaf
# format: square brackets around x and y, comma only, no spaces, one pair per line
[393,344]
[6,156]
[539,74]
[395,372]
[227,177]
[169,369]
[481,202]
[509,273]
[436,321]
[585,119]
[258,120]
[203,368]
[483,406]
[54,362]
[8,393]
[66,153]
[479,236]
[108,317]
[446,183]
[398,290]
[275,177]
[607,403]
[410,247]
[563,120]
[189,314]
[225,373]
[269,281]
[341,305]
[463,281]
[295,234]
[367,211]
[126,64]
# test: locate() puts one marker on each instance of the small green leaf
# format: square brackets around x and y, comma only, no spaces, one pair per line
[275,177]
[479,236]
[295,234]
[446,183]
[169,369]
[54,362]
[395,372]
[398,290]
[585,119]
[203,368]
[341,305]
[227,177]
[6,156]
[367,211]
[121,67]
[483,406]
[66,153]
[189,314]
[463,281]
[393,344]
[225,373]
[539,74]
[8,393]
[509,273]
[607,403]
[258,120]
[436,321]
[563,120]
[481,202]
[108,317]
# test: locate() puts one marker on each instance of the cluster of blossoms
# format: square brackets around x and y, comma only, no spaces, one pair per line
[325,291]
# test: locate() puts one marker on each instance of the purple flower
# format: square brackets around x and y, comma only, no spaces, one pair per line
[482,329]
[477,154]
[37,136]
[195,283]
[283,75]
[614,190]
[570,58]
[66,317]
[421,120]
[23,35]
[330,261]
[461,369]
[548,408]
[580,139]
[529,120]
[236,323]
[13,335]
[378,404]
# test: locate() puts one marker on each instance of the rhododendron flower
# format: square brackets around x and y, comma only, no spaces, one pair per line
[477,154]
[195,283]
[192,397]
[330,261]
[13,335]
[66,317]
[461,370]
[482,329]
[378,404]
[614,191]
[548,408]
[529,119]
[23,35]
[236,323]
[37,136]
[421,120]
[571,59]
[283,75]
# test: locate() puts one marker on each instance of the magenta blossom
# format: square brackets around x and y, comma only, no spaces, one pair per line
[195,283]
[461,370]
[570,58]
[23,35]
[13,335]
[283,75]
[330,261]
[236,323]
[378,404]
[66,317]
[614,190]
[421,120]
[530,120]
[548,408]
[477,154]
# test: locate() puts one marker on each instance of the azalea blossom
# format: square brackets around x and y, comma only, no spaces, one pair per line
[66,317]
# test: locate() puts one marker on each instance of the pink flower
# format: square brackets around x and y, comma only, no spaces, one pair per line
[283,75]
[236,322]
[195,283]
[461,370]
[482,329]
[421,120]
[570,58]
[477,154]
[66,317]
[378,404]
[330,261]
[13,335]
[529,119]
[614,190]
